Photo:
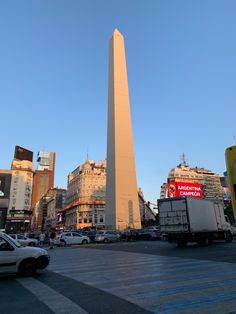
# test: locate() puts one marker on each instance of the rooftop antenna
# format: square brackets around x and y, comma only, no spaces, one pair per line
[87,154]
[183,160]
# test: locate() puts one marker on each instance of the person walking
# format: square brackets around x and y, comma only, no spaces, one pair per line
[52,238]
[41,239]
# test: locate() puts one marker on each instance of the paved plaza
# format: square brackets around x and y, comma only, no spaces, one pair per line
[119,278]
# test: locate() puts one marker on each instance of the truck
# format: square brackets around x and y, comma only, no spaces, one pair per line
[186,219]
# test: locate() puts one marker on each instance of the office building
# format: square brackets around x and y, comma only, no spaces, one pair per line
[85,197]
[210,181]
[19,210]
[43,179]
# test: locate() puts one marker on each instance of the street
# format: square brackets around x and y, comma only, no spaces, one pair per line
[135,277]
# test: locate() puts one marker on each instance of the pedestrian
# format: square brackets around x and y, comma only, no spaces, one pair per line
[41,239]
[52,238]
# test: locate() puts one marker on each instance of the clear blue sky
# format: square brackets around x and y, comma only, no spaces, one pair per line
[181,60]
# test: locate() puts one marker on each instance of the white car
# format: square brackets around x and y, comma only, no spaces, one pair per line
[70,238]
[15,258]
[107,236]
[24,240]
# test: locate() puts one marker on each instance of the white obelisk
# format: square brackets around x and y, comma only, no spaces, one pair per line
[122,205]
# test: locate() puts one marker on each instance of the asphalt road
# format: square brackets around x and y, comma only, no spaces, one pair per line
[218,251]
[136,277]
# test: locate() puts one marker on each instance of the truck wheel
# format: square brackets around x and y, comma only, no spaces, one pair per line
[27,268]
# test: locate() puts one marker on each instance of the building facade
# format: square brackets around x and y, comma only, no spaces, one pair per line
[19,210]
[43,180]
[46,161]
[55,209]
[146,213]
[85,197]
[211,185]
[163,191]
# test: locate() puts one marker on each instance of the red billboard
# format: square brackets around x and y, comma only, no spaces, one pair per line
[181,189]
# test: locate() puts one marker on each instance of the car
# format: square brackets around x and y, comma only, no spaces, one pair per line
[32,235]
[14,258]
[91,234]
[70,238]
[107,236]
[149,234]
[130,235]
[24,240]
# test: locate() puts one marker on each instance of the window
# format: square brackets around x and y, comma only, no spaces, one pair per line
[4,245]
[76,234]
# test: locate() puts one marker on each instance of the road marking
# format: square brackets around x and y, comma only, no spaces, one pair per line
[155,283]
[54,300]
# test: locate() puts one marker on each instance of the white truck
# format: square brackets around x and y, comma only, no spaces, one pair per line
[186,219]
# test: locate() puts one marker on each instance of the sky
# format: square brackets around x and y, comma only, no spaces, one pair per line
[181,63]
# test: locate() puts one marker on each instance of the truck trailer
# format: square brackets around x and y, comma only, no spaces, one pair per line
[186,219]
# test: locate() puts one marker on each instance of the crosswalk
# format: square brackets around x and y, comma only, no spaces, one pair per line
[55,301]
[160,284]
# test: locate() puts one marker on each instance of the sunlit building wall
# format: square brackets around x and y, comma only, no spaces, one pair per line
[210,181]
[85,197]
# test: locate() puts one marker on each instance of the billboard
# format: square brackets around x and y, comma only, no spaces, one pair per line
[23,153]
[181,189]
[5,185]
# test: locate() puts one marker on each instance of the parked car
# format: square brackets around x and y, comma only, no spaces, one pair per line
[149,234]
[130,235]
[32,235]
[23,260]
[23,240]
[92,234]
[107,236]
[70,238]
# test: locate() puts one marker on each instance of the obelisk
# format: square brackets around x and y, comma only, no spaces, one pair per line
[122,205]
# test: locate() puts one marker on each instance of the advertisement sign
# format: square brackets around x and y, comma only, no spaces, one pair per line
[23,154]
[181,189]
[5,184]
